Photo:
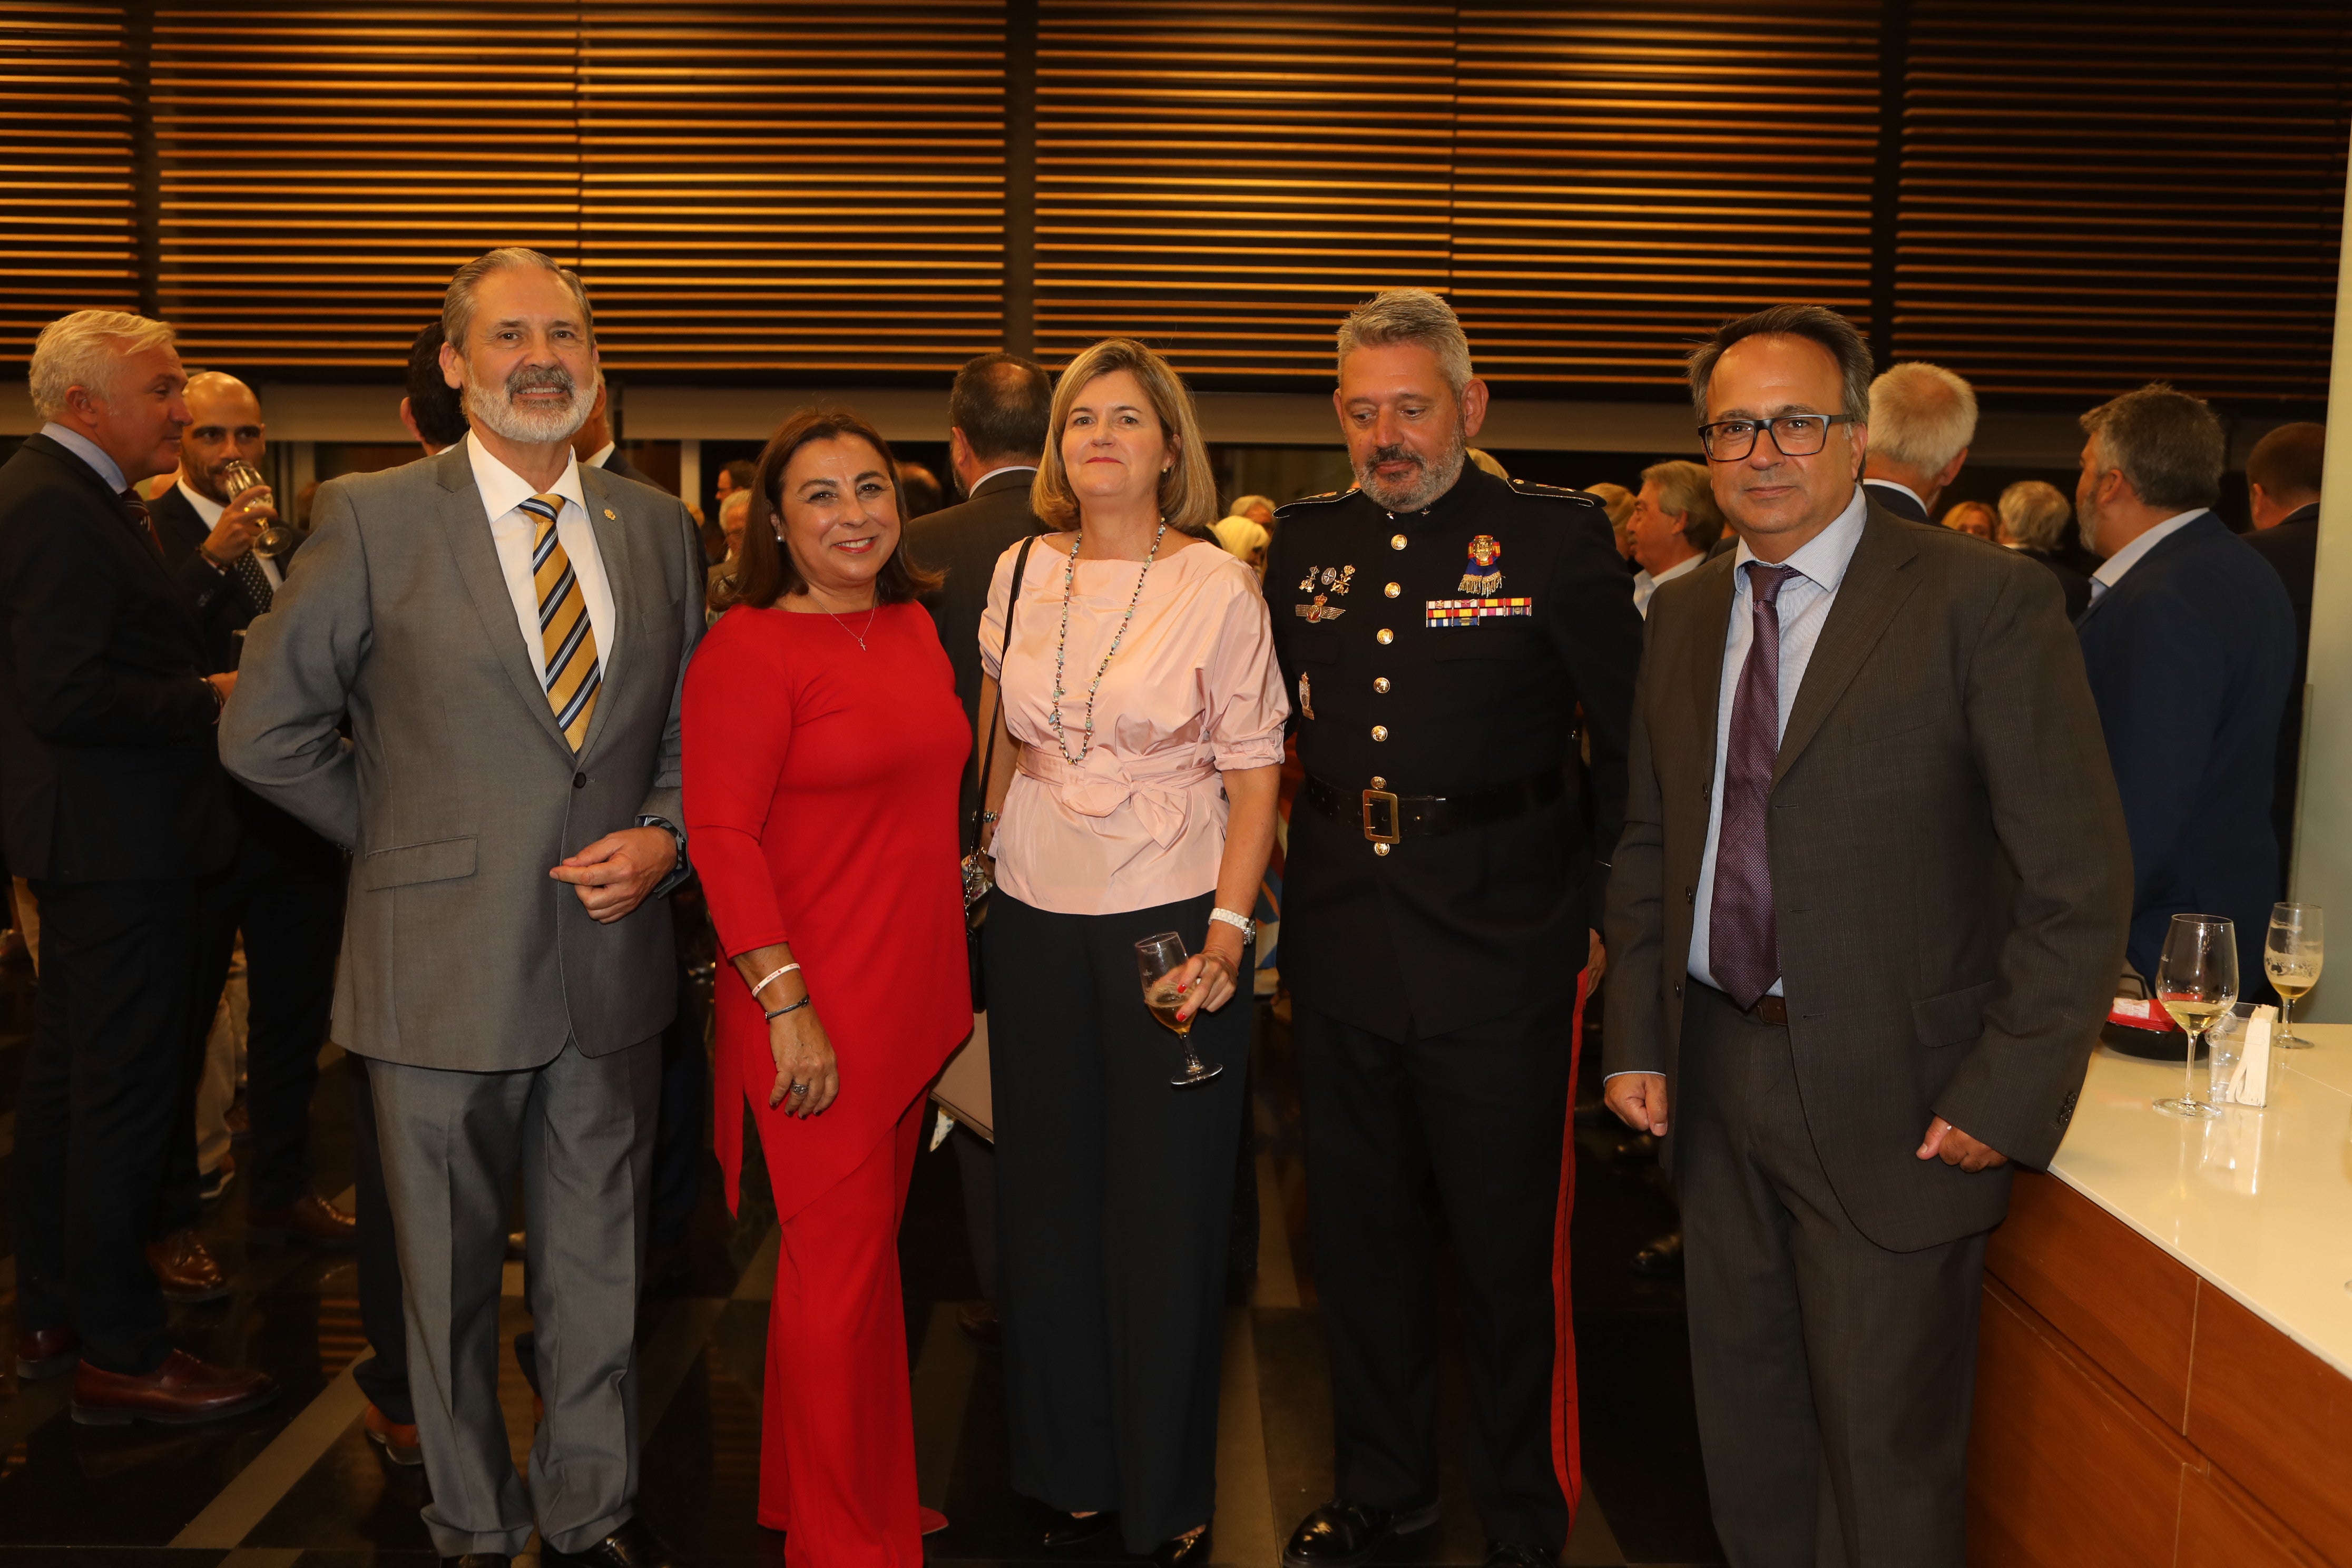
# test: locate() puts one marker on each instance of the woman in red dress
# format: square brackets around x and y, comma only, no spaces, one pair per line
[824,749]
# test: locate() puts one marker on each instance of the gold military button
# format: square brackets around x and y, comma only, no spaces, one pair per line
[1396,541]
[1380,731]
[1387,637]
[1381,685]
[1394,589]
[1380,848]
[1380,782]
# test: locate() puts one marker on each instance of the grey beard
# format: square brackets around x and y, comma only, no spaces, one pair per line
[496,410]
[1433,481]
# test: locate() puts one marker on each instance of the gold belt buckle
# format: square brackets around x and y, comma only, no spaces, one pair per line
[1382,799]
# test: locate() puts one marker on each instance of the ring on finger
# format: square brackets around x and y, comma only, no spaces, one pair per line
[800,1091]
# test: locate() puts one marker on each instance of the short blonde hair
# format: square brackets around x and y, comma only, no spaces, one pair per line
[87,350]
[1615,500]
[2035,514]
[1922,416]
[1187,491]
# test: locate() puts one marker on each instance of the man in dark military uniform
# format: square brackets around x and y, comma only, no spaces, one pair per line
[1441,630]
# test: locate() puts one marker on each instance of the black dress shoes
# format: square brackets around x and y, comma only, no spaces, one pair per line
[1343,1534]
[634,1545]
[1520,1554]
[1071,1528]
[1184,1552]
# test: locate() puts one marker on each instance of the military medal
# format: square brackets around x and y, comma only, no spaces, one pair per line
[1335,581]
[1306,694]
[1481,578]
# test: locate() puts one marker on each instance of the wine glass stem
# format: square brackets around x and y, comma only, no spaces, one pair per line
[2188,1069]
[2286,1017]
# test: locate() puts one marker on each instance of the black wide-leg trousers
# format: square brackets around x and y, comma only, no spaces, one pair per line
[1480,1115]
[1115,1202]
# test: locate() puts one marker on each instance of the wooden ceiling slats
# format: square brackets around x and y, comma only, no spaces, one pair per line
[69,235]
[2085,196]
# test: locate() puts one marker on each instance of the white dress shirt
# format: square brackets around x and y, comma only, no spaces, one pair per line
[597,460]
[1804,605]
[512,530]
[208,512]
[1644,584]
[89,452]
[1008,469]
[2111,571]
[1906,489]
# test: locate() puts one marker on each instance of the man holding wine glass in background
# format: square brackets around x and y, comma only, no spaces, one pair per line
[221,536]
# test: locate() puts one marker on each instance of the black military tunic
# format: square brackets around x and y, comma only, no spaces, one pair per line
[1446,653]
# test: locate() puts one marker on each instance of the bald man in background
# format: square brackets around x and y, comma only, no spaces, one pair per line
[284,890]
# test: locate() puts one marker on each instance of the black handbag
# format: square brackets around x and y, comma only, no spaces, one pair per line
[979,884]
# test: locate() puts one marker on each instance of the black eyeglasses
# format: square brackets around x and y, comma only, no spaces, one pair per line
[1794,434]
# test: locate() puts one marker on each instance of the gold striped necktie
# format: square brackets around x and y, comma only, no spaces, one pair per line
[568,642]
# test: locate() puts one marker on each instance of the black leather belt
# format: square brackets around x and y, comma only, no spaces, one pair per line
[1769,1008]
[1387,817]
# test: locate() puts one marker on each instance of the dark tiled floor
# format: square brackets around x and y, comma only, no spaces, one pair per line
[298,1486]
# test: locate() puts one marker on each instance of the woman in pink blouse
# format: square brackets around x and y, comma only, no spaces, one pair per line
[1137,742]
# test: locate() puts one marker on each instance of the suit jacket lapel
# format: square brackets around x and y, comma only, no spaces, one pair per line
[1868,596]
[1711,625]
[469,528]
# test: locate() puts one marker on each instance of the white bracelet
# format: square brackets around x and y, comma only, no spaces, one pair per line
[772,975]
[1242,923]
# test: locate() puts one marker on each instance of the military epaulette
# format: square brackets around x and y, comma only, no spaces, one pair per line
[1553,492]
[1329,498]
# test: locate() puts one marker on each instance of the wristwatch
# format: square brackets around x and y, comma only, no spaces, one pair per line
[1242,923]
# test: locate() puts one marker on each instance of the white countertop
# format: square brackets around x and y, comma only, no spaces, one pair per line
[2258,1202]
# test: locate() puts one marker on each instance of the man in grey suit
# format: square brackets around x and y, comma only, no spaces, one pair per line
[1865,923]
[503,631]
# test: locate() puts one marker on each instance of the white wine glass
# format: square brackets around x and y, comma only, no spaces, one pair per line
[2196,980]
[2290,957]
[237,476]
[1160,958]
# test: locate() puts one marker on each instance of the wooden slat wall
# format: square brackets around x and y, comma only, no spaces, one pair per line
[1225,180]
[324,171]
[817,189]
[1627,176]
[2094,198]
[67,240]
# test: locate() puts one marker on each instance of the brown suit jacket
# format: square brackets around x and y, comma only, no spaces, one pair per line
[1949,866]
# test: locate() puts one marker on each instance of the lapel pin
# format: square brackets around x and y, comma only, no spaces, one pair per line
[610,514]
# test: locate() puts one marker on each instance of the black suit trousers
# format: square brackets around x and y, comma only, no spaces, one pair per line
[102,1090]
[1834,1377]
[287,899]
[1481,1115]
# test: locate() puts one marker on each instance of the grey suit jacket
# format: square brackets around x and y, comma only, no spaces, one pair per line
[1950,872]
[454,790]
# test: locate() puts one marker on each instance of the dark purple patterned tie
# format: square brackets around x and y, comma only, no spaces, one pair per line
[1743,941]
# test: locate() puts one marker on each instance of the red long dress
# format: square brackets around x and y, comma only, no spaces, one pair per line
[821,797]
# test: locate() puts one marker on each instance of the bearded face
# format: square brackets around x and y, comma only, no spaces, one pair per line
[536,404]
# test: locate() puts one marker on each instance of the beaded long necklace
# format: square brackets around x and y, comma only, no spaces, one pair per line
[1062,644]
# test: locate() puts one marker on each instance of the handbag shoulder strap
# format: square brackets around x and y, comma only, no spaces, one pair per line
[987,757]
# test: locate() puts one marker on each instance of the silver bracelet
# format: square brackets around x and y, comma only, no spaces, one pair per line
[793,1008]
[772,975]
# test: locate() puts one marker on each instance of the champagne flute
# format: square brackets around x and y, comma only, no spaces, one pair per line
[2196,980]
[237,476]
[2291,956]
[1160,958]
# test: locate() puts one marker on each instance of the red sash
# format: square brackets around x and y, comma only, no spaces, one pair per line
[1567,1444]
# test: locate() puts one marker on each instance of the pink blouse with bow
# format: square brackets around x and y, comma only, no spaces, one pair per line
[1193,691]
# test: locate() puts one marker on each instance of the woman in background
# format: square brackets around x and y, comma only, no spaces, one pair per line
[824,748]
[2034,518]
[1138,742]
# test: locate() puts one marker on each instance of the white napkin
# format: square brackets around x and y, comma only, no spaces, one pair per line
[2251,1084]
